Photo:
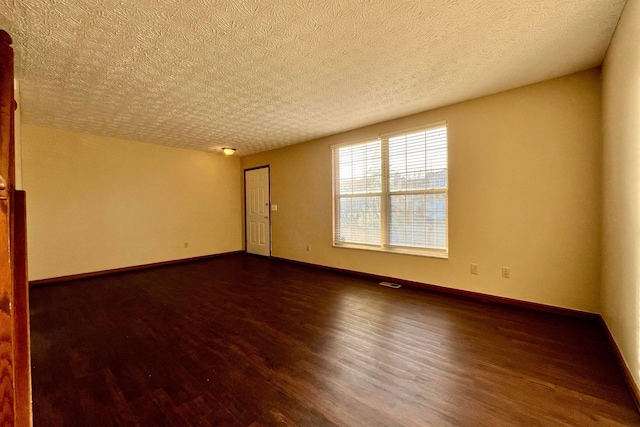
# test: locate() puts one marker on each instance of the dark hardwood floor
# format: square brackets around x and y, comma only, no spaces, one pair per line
[244,341]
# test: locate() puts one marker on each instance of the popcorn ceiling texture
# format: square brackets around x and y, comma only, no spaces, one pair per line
[258,75]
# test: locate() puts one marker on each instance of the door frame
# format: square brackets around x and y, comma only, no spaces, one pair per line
[244,206]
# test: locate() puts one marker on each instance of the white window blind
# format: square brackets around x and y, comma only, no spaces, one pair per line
[418,189]
[392,193]
[359,188]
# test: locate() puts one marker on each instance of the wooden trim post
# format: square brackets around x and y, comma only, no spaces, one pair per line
[15,366]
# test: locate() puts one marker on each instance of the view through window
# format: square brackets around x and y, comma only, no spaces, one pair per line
[392,193]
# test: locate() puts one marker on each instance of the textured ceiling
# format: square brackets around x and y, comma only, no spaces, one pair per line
[257,75]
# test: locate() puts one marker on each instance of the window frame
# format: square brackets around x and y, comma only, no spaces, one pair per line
[385,195]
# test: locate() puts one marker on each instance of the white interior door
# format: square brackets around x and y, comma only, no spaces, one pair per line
[257,211]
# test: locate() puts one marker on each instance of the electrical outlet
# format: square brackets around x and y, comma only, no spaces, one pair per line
[186,245]
[308,248]
[474,268]
[506,272]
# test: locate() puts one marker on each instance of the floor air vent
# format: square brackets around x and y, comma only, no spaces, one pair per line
[390,285]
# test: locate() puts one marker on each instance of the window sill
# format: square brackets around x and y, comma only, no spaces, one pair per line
[396,250]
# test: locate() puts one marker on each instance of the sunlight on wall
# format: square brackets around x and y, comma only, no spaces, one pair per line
[98,203]
[621,188]
[527,156]
[636,228]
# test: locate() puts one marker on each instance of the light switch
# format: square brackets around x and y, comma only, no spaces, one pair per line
[274,207]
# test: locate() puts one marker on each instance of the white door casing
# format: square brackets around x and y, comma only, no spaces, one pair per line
[258,230]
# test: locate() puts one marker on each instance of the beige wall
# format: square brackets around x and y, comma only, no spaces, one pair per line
[525,193]
[621,229]
[97,203]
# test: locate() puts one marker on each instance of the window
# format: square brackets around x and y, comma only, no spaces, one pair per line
[391,193]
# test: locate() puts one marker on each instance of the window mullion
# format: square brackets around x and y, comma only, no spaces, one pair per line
[336,193]
[384,198]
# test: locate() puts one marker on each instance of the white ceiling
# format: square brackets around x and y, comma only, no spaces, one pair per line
[258,75]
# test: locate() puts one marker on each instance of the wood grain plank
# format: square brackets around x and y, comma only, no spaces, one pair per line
[240,340]
[7,385]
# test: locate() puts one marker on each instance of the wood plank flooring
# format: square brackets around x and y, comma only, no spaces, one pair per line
[245,341]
